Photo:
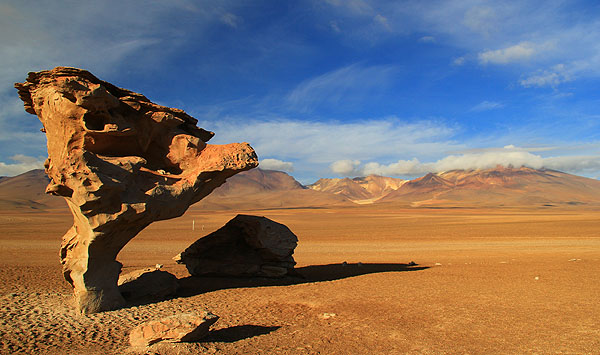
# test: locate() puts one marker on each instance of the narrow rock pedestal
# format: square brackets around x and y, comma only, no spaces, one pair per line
[121,162]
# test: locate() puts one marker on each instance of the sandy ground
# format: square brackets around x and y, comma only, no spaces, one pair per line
[502,281]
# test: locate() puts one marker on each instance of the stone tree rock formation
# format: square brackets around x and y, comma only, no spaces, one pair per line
[245,246]
[121,162]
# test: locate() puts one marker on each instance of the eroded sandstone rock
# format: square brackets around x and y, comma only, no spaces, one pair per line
[245,246]
[183,327]
[121,162]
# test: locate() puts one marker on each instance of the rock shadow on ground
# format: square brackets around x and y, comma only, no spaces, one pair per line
[236,333]
[195,285]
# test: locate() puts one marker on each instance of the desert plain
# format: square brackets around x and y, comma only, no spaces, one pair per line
[486,280]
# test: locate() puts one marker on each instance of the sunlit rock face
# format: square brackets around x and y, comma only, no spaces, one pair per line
[121,162]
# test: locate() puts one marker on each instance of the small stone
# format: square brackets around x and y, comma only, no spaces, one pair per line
[159,266]
[344,264]
[536,278]
[438,264]
[183,327]
[328,315]
[412,263]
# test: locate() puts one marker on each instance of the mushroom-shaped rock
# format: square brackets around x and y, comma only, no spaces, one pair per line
[121,162]
[245,246]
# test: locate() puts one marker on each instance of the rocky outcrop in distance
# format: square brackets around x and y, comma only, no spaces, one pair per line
[121,162]
[249,246]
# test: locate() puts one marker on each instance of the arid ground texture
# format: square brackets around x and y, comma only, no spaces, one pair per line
[487,280]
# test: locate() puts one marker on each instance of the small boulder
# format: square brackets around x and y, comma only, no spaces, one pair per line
[147,284]
[182,327]
[246,246]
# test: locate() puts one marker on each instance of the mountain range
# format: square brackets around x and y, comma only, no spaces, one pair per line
[265,189]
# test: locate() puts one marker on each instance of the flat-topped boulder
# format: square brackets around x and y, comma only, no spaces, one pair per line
[121,162]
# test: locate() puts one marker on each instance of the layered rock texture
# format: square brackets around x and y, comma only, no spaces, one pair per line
[121,162]
[245,246]
[183,327]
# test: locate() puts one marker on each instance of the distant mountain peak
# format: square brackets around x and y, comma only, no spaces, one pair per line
[257,188]
[362,189]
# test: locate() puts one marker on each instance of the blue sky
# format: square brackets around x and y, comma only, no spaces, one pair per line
[333,88]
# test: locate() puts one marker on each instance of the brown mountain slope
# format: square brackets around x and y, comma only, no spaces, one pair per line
[262,189]
[254,189]
[498,187]
[360,189]
[27,192]
[257,181]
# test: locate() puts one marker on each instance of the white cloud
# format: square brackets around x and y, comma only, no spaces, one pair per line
[230,19]
[481,19]
[553,77]
[313,146]
[427,39]
[518,52]
[348,85]
[486,106]
[103,37]
[345,167]
[276,164]
[401,167]
[578,164]
[489,158]
[523,33]
[459,61]
[23,164]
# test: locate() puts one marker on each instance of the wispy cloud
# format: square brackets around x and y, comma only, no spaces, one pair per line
[553,77]
[518,52]
[532,38]
[486,106]
[346,86]
[103,37]
[459,61]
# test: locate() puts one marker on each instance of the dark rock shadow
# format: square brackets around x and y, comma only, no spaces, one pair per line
[236,333]
[195,285]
